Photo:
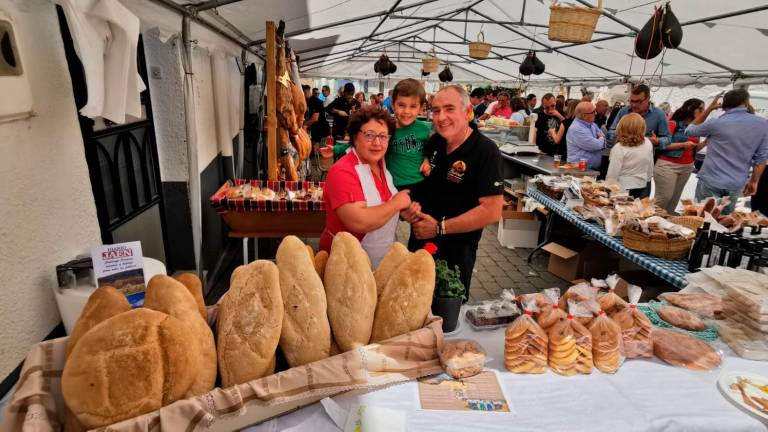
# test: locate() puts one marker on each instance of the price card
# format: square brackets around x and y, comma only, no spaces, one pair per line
[122,267]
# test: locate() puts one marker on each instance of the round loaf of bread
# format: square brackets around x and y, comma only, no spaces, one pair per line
[195,287]
[306,334]
[131,364]
[103,304]
[351,292]
[249,323]
[406,300]
[166,294]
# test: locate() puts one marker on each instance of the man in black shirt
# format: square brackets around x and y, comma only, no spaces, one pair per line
[315,119]
[341,108]
[602,113]
[531,103]
[476,98]
[463,191]
[549,118]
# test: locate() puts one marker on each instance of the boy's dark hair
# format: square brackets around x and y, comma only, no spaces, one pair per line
[366,114]
[409,87]
[349,88]
[734,98]
[477,93]
[530,96]
[304,87]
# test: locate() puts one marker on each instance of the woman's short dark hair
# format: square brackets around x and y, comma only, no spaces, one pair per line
[367,114]
[517,104]
[688,110]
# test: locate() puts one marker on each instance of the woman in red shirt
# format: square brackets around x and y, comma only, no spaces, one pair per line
[360,197]
[675,162]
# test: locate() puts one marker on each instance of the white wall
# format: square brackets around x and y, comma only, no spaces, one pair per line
[167,94]
[47,211]
[207,143]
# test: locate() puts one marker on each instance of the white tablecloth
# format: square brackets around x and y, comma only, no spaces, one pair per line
[645,395]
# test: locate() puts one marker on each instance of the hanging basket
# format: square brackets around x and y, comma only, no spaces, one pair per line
[568,23]
[430,64]
[479,49]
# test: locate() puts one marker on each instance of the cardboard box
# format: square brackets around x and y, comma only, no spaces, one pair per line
[594,261]
[518,229]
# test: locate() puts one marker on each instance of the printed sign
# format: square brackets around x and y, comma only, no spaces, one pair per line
[122,267]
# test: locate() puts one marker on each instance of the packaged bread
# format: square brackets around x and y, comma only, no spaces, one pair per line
[130,364]
[570,344]
[104,303]
[306,334]
[610,302]
[166,294]
[550,312]
[320,260]
[607,343]
[392,260]
[462,358]
[585,296]
[407,299]
[635,327]
[680,318]
[679,349]
[351,291]
[703,304]
[525,343]
[195,287]
[249,323]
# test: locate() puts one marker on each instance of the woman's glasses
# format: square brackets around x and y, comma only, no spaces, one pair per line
[369,136]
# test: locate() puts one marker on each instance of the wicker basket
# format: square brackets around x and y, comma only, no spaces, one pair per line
[662,248]
[572,23]
[479,49]
[690,222]
[430,63]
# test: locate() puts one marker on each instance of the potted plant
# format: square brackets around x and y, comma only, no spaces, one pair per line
[449,294]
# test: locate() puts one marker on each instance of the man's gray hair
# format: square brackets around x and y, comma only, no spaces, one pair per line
[461,91]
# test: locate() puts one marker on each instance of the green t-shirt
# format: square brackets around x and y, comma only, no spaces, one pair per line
[406,153]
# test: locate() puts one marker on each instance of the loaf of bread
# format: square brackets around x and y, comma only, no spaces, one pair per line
[683,350]
[311,253]
[406,300]
[392,260]
[195,287]
[131,364]
[166,294]
[681,318]
[320,260]
[104,303]
[249,323]
[306,334]
[607,344]
[351,292]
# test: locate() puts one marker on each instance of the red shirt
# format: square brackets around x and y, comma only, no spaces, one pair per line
[688,156]
[342,186]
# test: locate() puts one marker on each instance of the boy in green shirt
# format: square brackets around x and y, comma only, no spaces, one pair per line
[406,159]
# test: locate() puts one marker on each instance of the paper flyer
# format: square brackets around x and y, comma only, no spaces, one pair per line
[481,392]
[121,266]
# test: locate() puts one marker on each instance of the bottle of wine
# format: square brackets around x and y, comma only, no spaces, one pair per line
[699,245]
[717,248]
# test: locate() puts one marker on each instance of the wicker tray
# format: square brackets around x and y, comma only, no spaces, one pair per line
[555,194]
[690,222]
[663,248]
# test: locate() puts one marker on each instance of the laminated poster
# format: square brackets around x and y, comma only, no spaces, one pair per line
[481,392]
[121,266]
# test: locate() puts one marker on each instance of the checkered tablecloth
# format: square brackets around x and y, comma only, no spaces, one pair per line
[672,271]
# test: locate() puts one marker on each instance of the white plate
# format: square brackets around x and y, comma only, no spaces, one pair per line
[734,395]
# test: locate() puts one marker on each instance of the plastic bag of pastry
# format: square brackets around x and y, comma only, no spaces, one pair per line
[570,344]
[585,296]
[635,327]
[607,343]
[550,312]
[680,318]
[462,358]
[493,314]
[525,343]
[679,349]
[703,304]
[610,302]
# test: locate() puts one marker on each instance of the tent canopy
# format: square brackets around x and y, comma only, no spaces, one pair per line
[722,41]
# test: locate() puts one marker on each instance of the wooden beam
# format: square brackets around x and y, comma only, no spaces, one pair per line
[271,102]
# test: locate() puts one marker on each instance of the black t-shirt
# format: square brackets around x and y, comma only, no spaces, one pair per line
[544,123]
[340,122]
[458,180]
[479,110]
[320,128]
[600,120]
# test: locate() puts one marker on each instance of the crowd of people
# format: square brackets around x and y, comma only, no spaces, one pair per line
[445,178]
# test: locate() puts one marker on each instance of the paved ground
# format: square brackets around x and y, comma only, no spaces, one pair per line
[498,268]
